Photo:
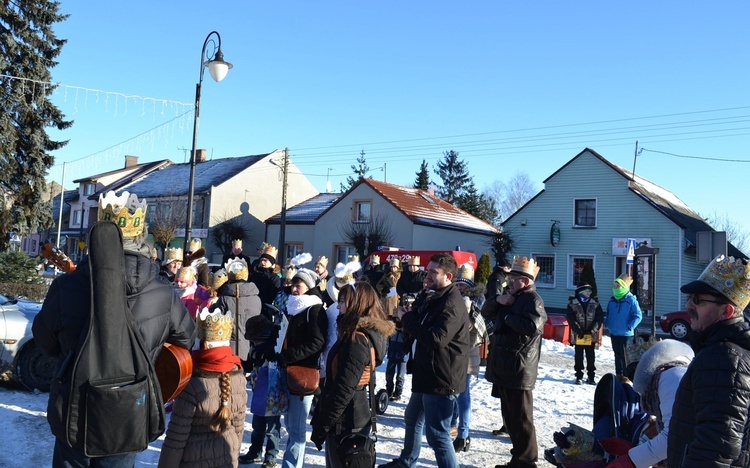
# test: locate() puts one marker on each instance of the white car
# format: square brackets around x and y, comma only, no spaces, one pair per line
[20,358]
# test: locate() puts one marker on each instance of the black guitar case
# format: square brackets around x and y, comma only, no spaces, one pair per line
[106,399]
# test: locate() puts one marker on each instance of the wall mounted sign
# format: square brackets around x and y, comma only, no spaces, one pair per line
[554,233]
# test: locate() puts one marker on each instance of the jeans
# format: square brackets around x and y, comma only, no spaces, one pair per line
[67,457]
[296,425]
[462,414]
[619,343]
[268,428]
[390,371]
[436,425]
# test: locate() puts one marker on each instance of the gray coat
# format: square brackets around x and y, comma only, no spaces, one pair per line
[241,299]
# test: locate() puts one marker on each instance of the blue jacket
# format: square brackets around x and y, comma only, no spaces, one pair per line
[623,315]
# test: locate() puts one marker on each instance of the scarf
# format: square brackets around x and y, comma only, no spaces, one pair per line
[296,304]
[219,359]
[619,293]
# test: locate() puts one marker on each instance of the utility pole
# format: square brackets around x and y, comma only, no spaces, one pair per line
[282,228]
[635,158]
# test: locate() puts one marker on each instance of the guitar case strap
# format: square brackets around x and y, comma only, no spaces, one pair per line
[114,403]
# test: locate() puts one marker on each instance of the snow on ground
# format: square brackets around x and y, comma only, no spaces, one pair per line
[557,401]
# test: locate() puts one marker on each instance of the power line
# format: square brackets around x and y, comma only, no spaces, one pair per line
[697,157]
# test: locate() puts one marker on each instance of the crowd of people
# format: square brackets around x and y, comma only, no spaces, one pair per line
[306,341]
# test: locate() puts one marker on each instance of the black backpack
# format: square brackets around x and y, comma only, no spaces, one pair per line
[105,399]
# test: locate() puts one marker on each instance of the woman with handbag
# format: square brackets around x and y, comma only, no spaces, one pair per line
[344,413]
[305,340]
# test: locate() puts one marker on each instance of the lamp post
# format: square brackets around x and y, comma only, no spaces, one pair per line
[218,69]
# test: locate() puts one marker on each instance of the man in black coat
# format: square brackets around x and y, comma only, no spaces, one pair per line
[440,357]
[264,275]
[513,361]
[710,425]
[156,309]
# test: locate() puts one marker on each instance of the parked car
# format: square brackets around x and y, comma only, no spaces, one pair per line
[20,358]
[677,324]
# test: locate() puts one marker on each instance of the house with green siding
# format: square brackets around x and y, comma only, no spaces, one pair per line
[584,216]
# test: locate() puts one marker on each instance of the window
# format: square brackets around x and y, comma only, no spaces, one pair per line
[585,213]
[362,211]
[293,249]
[89,189]
[546,276]
[577,265]
[76,218]
[343,252]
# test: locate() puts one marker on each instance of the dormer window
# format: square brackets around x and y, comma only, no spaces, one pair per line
[89,189]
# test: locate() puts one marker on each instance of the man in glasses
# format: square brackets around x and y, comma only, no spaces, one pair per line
[710,424]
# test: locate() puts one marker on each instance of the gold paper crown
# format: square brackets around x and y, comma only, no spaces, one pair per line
[626,280]
[172,254]
[395,262]
[524,266]
[730,277]
[237,243]
[195,244]
[125,210]
[263,246]
[214,326]
[290,270]
[218,278]
[353,258]
[466,272]
[414,260]
[323,260]
[186,273]
[374,260]
[237,269]
[268,249]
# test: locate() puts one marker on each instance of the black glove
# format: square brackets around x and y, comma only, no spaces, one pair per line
[318,437]
[580,336]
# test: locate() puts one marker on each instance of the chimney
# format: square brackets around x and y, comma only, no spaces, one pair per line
[131,161]
[200,156]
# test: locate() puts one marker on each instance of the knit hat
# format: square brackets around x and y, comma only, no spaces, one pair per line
[307,276]
[583,287]
[726,277]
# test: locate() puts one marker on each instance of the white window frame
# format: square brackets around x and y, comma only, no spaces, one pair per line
[575,212]
[348,249]
[293,249]
[571,274]
[77,217]
[541,281]
[356,212]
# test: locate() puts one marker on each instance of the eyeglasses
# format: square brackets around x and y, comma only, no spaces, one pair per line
[698,301]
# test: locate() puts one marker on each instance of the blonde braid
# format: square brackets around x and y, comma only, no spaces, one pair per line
[221,421]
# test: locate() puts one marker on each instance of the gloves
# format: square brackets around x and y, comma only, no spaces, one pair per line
[318,437]
[621,462]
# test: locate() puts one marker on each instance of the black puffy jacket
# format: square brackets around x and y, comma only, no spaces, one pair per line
[157,310]
[343,405]
[440,328]
[241,299]
[709,426]
[307,332]
[516,343]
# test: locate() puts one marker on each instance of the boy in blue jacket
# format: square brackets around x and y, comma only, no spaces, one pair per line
[623,316]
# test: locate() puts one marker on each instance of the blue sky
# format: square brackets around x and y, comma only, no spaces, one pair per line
[511,86]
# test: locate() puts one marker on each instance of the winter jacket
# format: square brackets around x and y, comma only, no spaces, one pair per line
[397,351]
[190,440]
[386,287]
[410,283]
[585,318]
[199,261]
[308,328]
[344,405]
[249,306]
[516,344]
[710,426]
[497,283]
[157,310]
[440,351]
[268,283]
[623,315]
[474,341]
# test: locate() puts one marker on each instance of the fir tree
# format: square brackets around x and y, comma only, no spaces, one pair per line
[455,177]
[28,47]
[422,181]
[360,172]
[484,269]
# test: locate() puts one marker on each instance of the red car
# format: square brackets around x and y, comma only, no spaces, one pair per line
[676,324]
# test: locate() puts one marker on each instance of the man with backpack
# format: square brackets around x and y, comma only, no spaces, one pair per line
[710,424]
[133,295]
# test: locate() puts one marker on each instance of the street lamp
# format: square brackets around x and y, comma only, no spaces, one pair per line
[218,69]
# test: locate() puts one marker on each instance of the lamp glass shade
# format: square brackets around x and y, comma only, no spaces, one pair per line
[218,69]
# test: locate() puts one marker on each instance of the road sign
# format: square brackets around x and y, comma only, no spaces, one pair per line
[631,250]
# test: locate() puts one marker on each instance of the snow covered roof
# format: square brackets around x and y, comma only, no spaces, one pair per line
[174,179]
[307,211]
[68,197]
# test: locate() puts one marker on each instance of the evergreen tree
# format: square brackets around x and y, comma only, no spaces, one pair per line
[28,47]
[360,172]
[455,177]
[484,269]
[423,177]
